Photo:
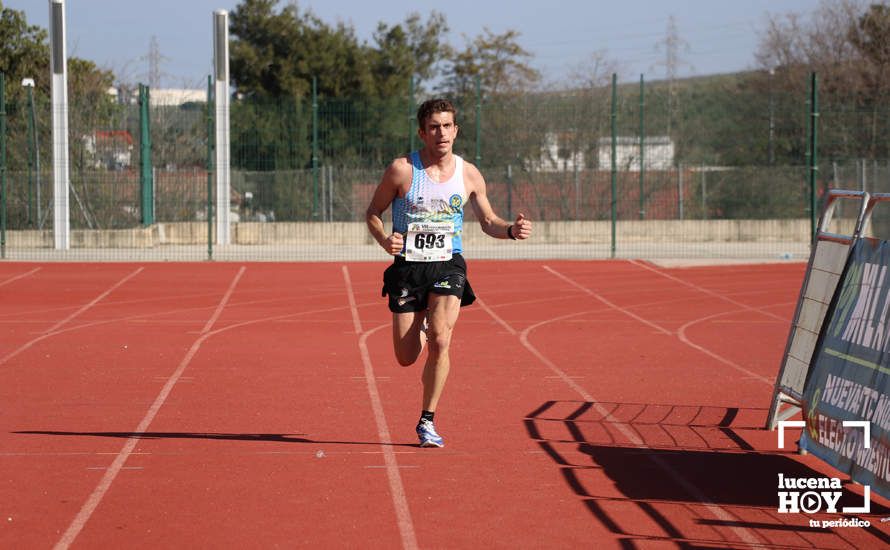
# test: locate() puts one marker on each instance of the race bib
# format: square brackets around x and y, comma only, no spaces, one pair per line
[429,241]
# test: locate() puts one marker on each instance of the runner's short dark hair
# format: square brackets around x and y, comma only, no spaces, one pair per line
[432,106]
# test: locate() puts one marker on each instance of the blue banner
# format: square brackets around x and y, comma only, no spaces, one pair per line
[849,376]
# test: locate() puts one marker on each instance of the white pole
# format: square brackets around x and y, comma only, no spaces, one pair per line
[221,78]
[59,72]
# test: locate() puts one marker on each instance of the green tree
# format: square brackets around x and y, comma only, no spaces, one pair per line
[24,52]
[871,37]
[275,54]
[498,59]
[407,49]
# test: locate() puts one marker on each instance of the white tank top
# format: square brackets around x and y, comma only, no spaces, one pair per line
[431,201]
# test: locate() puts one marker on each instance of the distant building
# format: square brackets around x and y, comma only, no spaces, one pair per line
[174,97]
[160,97]
[658,152]
[111,149]
[558,155]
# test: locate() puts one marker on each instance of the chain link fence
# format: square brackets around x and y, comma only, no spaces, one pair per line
[701,168]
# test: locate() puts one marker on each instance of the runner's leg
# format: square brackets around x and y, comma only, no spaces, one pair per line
[408,339]
[442,316]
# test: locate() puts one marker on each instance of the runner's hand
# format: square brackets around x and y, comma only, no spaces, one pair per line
[522,229]
[394,244]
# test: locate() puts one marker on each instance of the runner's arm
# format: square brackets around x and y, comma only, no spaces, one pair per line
[386,192]
[491,223]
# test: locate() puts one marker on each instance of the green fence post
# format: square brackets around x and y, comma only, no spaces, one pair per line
[210,139]
[642,148]
[2,166]
[478,120]
[814,166]
[31,150]
[33,142]
[509,192]
[146,177]
[314,147]
[614,117]
[412,134]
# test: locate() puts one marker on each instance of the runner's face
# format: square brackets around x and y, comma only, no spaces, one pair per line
[439,132]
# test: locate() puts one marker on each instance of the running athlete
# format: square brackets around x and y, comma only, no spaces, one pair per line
[427,281]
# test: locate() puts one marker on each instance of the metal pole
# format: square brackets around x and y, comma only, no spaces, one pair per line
[59,76]
[145,171]
[412,132]
[814,144]
[210,136]
[324,193]
[222,123]
[509,191]
[30,87]
[614,159]
[478,120]
[642,148]
[680,189]
[330,193]
[36,142]
[314,147]
[577,183]
[772,127]
[704,193]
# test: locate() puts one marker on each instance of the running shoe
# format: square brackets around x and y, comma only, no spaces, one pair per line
[426,432]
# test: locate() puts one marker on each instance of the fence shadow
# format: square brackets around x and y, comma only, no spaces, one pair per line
[688,475]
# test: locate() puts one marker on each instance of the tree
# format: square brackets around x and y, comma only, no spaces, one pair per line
[277,54]
[24,53]
[871,37]
[499,61]
[405,50]
[846,44]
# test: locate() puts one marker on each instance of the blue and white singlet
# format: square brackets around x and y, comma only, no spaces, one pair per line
[431,201]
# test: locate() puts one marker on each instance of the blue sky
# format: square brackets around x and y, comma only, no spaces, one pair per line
[718,35]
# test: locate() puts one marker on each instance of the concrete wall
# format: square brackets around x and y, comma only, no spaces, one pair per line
[350,233]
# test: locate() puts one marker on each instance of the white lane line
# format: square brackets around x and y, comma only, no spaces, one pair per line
[708,291]
[396,487]
[632,436]
[86,511]
[681,334]
[608,303]
[48,332]
[20,276]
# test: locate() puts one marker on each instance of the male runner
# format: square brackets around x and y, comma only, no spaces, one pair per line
[427,281]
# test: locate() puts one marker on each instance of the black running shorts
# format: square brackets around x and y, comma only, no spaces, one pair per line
[408,284]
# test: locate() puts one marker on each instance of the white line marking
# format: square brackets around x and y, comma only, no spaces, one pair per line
[95,300]
[105,483]
[707,291]
[631,436]
[681,334]
[49,332]
[608,303]
[496,317]
[396,488]
[21,276]
[356,320]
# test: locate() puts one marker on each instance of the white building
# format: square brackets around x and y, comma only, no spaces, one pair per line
[658,153]
[557,155]
[173,97]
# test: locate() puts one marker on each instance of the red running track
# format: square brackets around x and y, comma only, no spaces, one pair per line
[219,405]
